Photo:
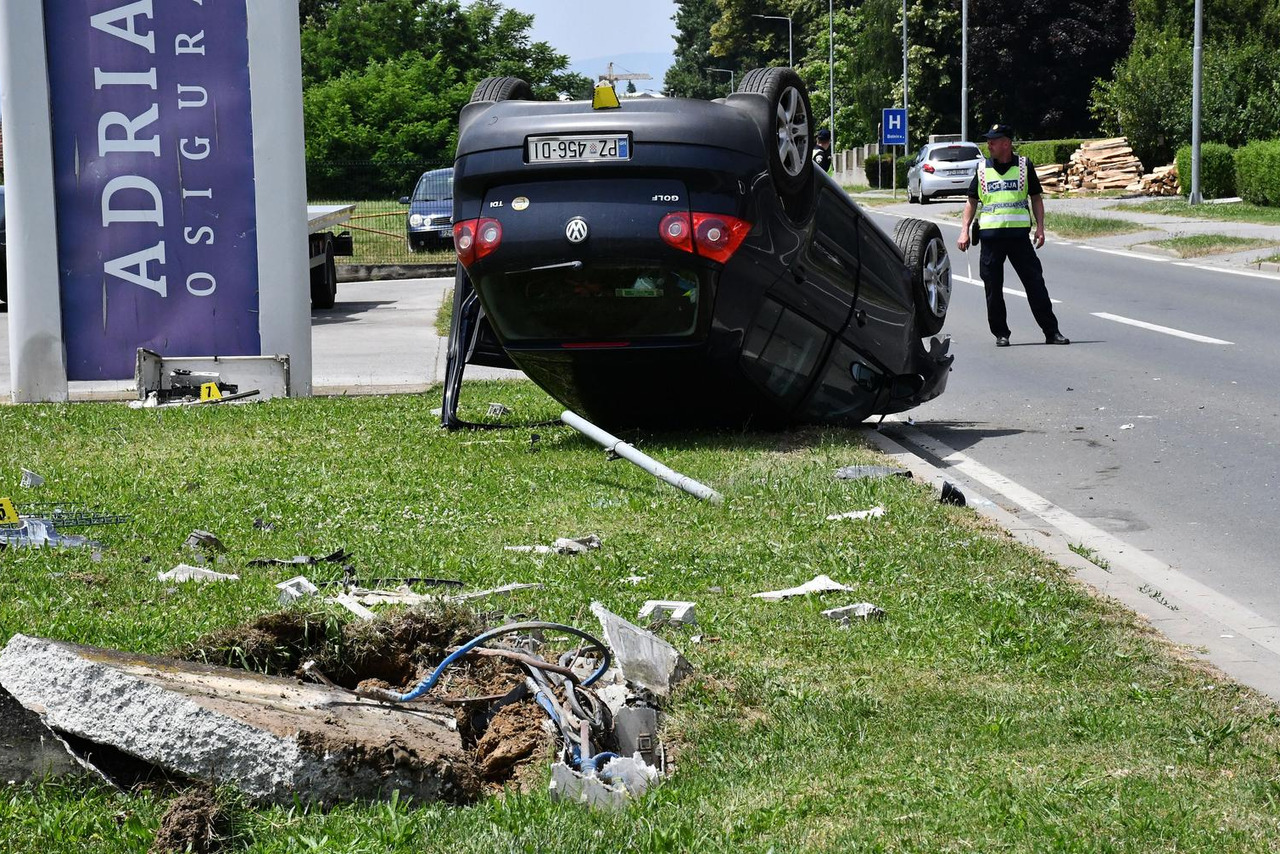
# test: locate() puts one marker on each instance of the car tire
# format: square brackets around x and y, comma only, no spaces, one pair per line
[324,279]
[502,89]
[924,198]
[911,200]
[926,256]
[787,126]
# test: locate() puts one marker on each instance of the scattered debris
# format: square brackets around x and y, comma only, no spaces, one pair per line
[951,494]
[263,525]
[296,588]
[497,410]
[273,738]
[346,601]
[36,533]
[847,613]
[643,658]
[632,778]
[1126,426]
[178,381]
[30,480]
[818,584]
[205,541]
[562,545]
[668,611]
[480,594]
[182,572]
[29,750]
[873,513]
[871,472]
[299,560]
[192,824]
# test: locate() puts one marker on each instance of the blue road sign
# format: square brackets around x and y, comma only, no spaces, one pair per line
[893,127]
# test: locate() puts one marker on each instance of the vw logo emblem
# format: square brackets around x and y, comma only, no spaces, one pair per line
[576,230]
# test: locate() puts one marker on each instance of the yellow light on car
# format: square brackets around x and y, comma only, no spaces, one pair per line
[604,98]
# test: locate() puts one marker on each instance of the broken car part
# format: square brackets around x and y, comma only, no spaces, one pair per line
[873,513]
[819,584]
[861,611]
[870,472]
[951,494]
[302,560]
[614,445]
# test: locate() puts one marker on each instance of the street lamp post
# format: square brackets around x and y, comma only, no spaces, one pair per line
[905,108]
[964,69]
[1197,57]
[831,73]
[787,18]
[728,71]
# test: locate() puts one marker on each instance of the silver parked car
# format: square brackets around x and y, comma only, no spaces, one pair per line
[942,169]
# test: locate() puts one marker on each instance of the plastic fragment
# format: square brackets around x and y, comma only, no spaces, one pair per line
[818,584]
[873,513]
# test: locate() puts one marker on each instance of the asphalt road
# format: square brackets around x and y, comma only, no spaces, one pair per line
[1160,423]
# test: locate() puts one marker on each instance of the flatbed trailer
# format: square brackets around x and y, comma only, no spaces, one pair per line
[323,246]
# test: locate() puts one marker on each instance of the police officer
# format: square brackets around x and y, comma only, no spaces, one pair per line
[1005,193]
[822,153]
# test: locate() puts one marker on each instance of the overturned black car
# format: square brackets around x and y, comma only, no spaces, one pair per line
[676,262]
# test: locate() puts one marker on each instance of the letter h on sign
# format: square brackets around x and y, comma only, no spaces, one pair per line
[893,127]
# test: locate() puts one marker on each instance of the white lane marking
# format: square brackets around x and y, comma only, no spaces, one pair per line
[1257,274]
[1009,291]
[1125,253]
[1151,570]
[1190,336]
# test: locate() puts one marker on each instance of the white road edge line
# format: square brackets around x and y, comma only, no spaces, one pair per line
[1009,291]
[1142,324]
[1155,572]
[1256,274]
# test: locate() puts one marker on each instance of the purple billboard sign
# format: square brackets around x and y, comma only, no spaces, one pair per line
[154,178]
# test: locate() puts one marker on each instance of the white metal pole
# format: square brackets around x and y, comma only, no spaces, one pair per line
[1195,197]
[964,69]
[791,60]
[629,453]
[905,108]
[831,72]
[37,357]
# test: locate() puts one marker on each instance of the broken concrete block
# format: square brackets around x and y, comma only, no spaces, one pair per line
[275,739]
[29,750]
[669,610]
[848,613]
[619,781]
[644,658]
[298,587]
[818,584]
[182,572]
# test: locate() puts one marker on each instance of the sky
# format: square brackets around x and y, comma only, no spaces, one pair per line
[605,29]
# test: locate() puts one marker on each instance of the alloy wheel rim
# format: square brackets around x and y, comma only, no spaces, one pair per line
[937,277]
[793,131]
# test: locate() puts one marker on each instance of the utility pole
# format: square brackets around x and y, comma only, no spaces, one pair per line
[614,78]
[906,109]
[1195,197]
[831,72]
[964,70]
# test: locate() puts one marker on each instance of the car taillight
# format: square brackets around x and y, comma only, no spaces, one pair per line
[928,167]
[714,236]
[475,238]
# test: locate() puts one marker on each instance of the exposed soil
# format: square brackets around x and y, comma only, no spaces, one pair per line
[513,737]
[192,823]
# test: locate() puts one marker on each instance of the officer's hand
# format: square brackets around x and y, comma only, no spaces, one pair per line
[1039,236]
[962,243]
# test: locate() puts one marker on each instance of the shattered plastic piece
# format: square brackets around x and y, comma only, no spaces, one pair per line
[873,513]
[859,472]
[506,588]
[296,588]
[182,572]
[205,540]
[819,584]
[848,613]
[1126,426]
[951,494]
[636,579]
[30,480]
[633,778]
[497,410]
[644,658]
[302,560]
[668,611]
[35,533]
[353,606]
[562,546]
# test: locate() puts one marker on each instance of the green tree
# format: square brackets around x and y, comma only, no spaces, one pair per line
[688,76]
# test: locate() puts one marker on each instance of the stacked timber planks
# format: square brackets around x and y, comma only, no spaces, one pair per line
[1103,164]
[1161,181]
[1051,177]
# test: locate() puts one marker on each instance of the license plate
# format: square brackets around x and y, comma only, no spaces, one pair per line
[578,148]
[959,172]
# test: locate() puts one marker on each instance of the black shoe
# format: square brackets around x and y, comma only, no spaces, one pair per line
[1002,341]
[1056,338]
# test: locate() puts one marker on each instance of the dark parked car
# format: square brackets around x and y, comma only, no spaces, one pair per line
[680,262]
[429,223]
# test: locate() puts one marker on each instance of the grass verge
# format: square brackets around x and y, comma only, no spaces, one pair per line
[875,200]
[1199,245]
[1230,212]
[999,707]
[444,315]
[1080,226]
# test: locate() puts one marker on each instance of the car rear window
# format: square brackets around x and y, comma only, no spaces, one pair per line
[597,302]
[955,153]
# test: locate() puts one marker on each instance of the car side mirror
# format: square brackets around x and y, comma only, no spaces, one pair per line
[404,200]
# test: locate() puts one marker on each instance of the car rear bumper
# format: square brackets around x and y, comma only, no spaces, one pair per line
[945,185]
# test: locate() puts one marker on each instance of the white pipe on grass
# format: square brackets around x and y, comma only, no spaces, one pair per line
[629,453]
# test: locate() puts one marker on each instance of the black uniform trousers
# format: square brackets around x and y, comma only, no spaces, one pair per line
[1026,263]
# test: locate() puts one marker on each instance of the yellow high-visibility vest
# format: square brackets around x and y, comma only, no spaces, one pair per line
[1003,197]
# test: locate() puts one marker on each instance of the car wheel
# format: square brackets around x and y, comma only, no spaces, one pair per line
[788,125]
[324,279]
[502,89]
[926,256]
[911,200]
[924,198]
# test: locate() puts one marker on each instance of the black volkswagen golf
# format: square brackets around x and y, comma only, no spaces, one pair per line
[677,262]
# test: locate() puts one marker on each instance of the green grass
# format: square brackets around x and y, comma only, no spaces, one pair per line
[999,707]
[1199,245]
[378,235]
[878,198]
[1080,226]
[1230,212]
[1090,555]
[1271,259]
[444,315]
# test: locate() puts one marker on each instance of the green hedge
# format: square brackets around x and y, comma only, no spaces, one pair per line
[872,168]
[1045,151]
[1258,172]
[1217,170]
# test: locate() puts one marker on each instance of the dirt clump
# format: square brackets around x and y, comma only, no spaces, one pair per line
[514,736]
[193,822]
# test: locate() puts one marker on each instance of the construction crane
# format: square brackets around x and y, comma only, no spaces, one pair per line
[614,78]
